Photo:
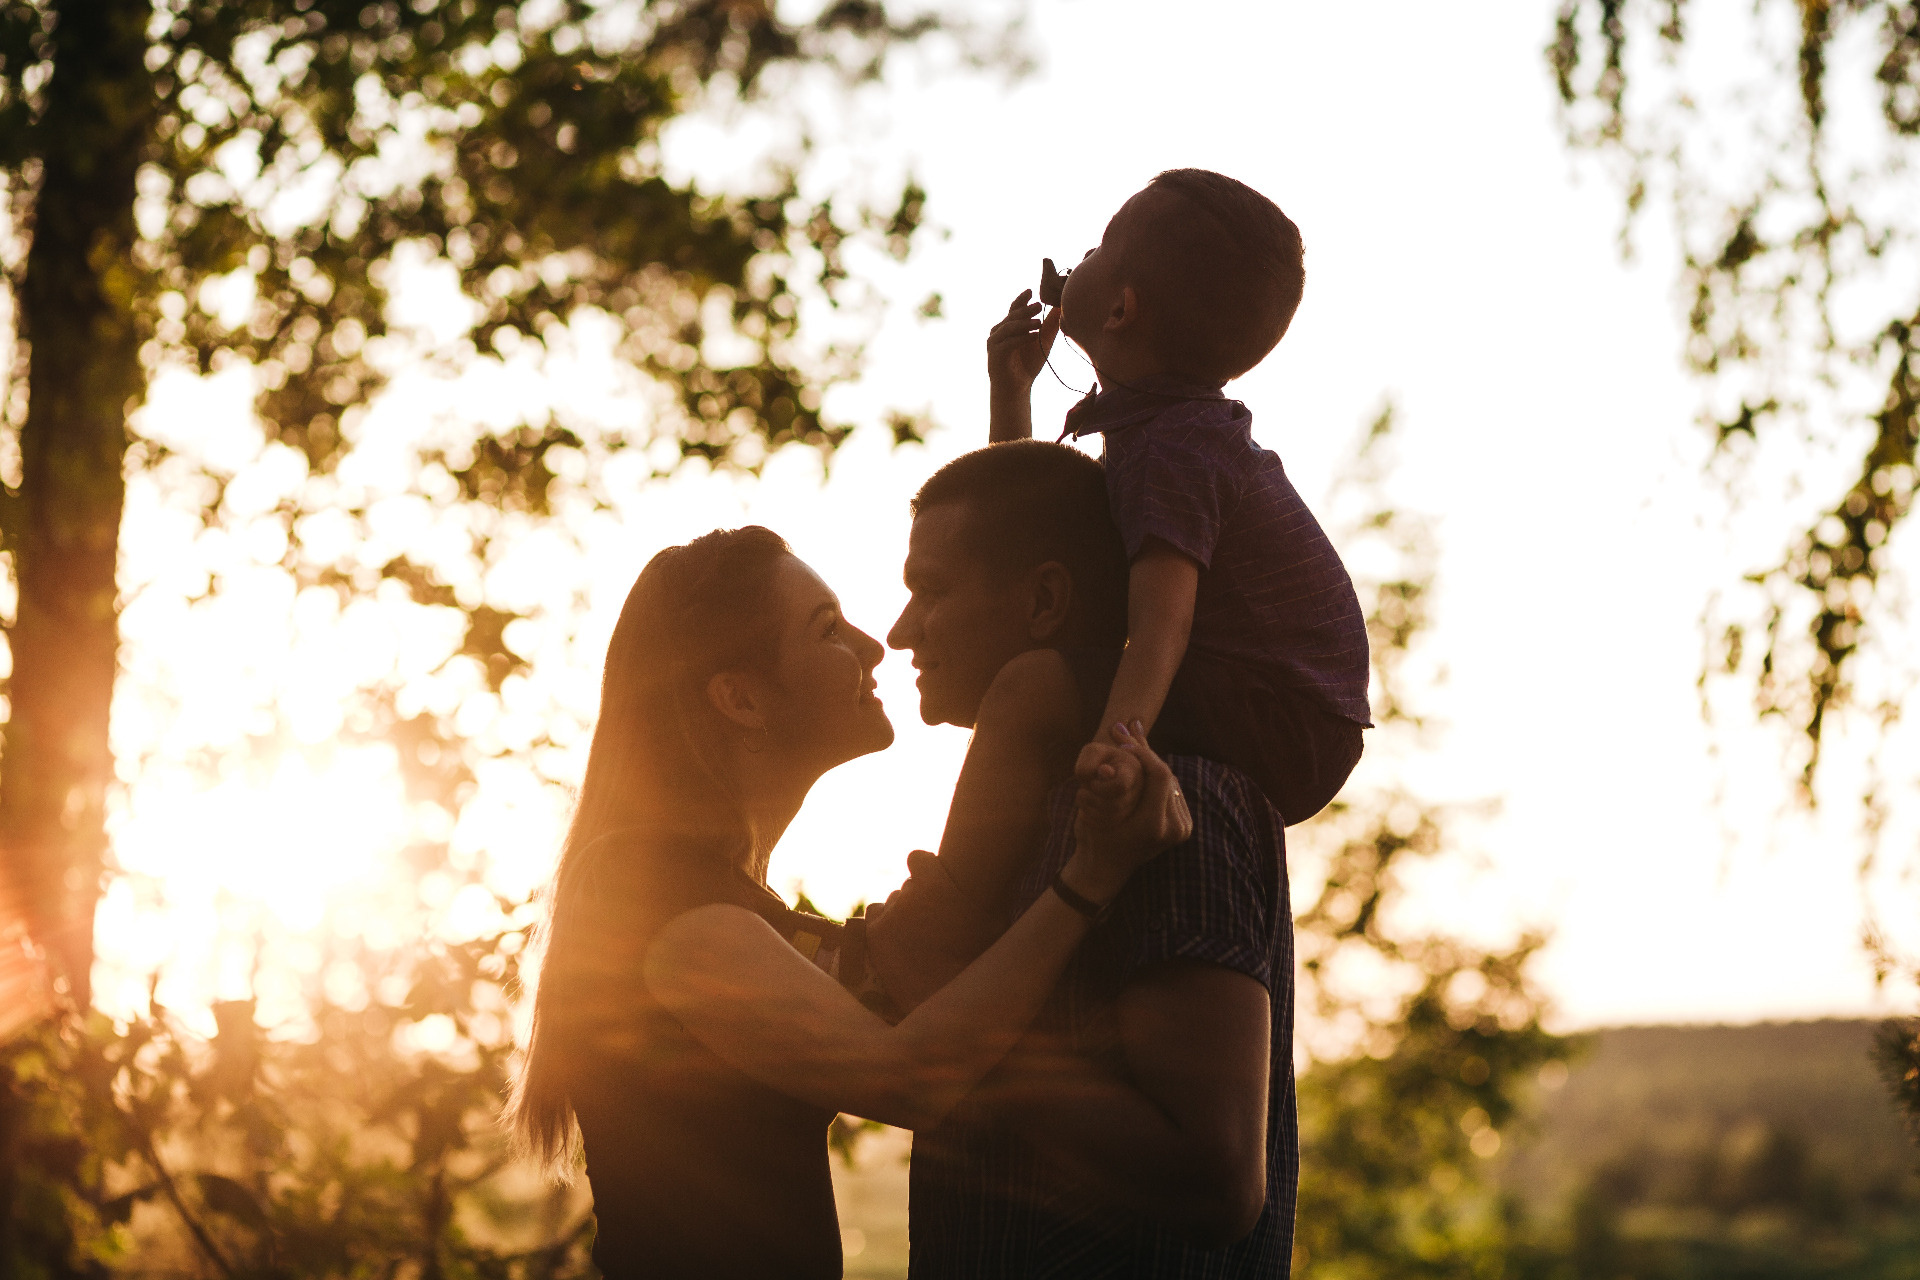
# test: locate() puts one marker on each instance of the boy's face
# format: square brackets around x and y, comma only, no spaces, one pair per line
[1094,289]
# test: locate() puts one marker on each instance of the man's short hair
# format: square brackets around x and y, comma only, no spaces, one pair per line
[1220,269]
[1030,502]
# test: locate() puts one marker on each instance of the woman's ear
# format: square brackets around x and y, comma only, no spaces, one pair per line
[733,696]
[1049,600]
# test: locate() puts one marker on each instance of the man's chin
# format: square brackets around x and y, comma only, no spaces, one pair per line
[935,709]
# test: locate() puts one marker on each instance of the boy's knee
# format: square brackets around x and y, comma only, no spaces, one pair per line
[1034,689]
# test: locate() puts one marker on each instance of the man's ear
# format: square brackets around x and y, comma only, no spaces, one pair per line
[1125,312]
[734,696]
[1049,600]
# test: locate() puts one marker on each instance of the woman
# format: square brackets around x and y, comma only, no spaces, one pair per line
[681,1016]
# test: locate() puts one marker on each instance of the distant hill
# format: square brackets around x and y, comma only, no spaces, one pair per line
[1771,1150]
[1680,1089]
[1765,1152]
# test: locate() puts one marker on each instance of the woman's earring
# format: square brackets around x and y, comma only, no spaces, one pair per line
[756,750]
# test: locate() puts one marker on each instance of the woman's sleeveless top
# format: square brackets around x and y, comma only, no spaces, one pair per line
[696,1169]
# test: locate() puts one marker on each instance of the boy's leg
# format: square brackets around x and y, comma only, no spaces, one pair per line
[1295,751]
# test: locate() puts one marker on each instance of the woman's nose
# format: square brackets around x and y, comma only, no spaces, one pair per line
[871,650]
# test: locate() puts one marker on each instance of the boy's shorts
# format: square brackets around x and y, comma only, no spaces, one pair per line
[1297,752]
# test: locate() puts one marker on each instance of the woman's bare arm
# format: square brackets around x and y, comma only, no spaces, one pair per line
[758,1004]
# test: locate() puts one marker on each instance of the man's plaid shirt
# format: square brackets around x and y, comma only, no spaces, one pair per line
[983,1206]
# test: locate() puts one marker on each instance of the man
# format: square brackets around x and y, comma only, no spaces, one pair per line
[1146,1126]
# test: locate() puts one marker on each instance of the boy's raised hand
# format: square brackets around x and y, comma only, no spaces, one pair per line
[1017,347]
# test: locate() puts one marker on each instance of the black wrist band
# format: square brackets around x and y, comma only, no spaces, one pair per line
[1078,901]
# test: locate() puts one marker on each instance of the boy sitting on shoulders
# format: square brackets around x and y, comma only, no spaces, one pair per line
[1246,643]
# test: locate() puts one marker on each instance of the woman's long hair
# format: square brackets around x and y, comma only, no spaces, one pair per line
[655,769]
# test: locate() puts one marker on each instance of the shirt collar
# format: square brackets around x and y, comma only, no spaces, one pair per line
[1128,404]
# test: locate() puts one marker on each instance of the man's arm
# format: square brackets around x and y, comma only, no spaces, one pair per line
[1182,1137]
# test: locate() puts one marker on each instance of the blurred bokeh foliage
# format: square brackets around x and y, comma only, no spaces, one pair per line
[326,203]
[258,187]
[1427,1044]
[1784,135]
[1446,1133]
[364,1144]
[1797,224]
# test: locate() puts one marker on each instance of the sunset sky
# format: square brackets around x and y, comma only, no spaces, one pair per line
[1461,265]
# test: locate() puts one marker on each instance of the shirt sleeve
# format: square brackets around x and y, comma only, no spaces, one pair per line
[1161,484]
[1213,898]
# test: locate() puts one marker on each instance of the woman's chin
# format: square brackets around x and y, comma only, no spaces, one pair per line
[879,729]
[882,734]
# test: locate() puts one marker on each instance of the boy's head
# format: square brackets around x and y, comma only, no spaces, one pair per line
[1215,269]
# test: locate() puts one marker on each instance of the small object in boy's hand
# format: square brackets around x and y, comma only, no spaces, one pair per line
[1051,282]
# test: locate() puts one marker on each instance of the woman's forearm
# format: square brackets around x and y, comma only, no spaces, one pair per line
[957,1035]
[745,993]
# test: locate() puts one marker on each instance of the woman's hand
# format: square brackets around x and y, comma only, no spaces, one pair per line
[1129,811]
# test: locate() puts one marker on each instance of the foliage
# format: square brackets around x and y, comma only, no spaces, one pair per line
[260,193]
[1799,227]
[365,1142]
[1897,1052]
[295,149]
[1797,256]
[1437,1040]
[256,188]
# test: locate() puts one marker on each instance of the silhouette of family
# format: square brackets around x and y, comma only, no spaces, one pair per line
[1082,1003]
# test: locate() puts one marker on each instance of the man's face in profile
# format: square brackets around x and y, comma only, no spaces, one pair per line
[963,622]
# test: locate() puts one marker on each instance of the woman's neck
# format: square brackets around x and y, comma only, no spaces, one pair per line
[772,799]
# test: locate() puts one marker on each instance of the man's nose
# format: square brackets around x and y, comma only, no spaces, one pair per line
[903,632]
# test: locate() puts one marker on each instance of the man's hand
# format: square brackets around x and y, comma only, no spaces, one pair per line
[1017,347]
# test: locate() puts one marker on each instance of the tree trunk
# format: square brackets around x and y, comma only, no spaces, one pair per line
[78,301]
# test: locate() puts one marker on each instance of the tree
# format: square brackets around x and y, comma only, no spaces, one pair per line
[247,188]
[212,182]
[1433,1043]
[1792,184]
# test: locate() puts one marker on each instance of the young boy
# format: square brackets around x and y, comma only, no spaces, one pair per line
[1246,643]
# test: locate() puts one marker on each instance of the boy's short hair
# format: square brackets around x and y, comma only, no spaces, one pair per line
[1030,502]
[1221,273]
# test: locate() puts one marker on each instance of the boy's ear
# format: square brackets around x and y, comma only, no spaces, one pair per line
[1125,310]
[734,697]
[1049,600]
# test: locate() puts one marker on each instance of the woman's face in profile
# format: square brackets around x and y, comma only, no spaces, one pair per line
[827,711]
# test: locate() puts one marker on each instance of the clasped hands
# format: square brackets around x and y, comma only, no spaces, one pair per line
[1129,803]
